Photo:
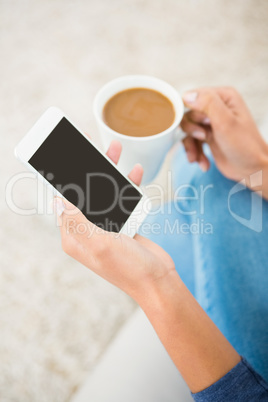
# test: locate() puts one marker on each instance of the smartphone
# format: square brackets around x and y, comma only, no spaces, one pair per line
[65,158]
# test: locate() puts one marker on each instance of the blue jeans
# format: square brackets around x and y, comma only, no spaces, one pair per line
[220,253]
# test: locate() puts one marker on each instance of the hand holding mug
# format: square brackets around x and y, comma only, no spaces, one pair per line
[220,117]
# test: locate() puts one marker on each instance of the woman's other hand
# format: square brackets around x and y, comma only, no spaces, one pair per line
[220,117]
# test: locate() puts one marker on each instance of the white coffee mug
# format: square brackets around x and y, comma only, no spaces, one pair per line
[149,151]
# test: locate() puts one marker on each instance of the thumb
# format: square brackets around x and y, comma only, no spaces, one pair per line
[209,102]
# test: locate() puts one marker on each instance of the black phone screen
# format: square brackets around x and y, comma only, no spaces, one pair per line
[84,177]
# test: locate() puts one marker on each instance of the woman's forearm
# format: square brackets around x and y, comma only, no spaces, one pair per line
[197,347]
[147,273]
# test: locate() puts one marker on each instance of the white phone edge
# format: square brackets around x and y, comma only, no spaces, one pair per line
[37,135]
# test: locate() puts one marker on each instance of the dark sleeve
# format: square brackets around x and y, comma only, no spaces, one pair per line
[241,384]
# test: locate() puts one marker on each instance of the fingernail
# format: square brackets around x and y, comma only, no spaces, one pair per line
[189,97]
[203,166]
[199,135]
[59,206]
[139,165]
[206,120]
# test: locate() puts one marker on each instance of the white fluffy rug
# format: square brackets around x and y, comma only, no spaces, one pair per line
[55,316]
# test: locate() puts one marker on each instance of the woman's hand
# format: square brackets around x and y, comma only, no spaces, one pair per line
[220,117]
[133,265]
[147,273]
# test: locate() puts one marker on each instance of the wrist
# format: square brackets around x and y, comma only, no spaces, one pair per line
[255,176]
[158,293]
[264,165]
[259,182]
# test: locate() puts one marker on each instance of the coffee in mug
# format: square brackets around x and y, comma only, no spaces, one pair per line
[143,140]
[139,112]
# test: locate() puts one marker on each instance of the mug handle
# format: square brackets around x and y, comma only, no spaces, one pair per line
[179,135]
